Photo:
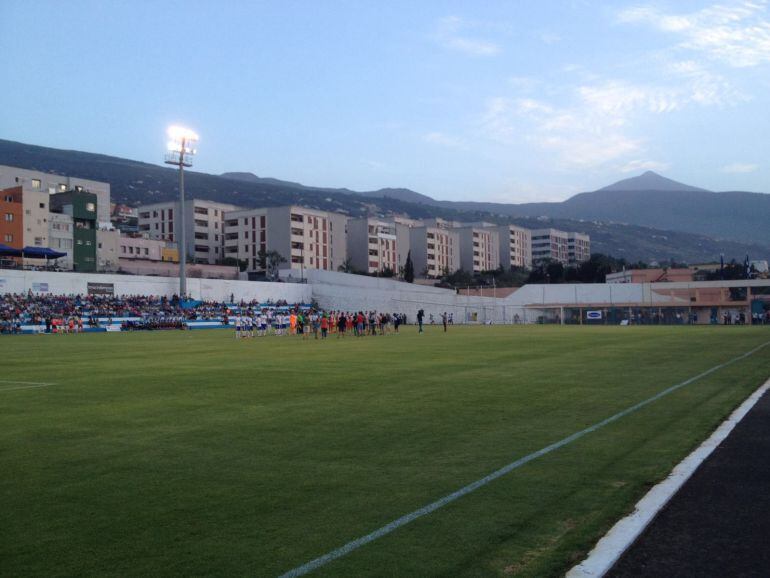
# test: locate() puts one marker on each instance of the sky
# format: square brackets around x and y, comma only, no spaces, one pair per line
[505,101]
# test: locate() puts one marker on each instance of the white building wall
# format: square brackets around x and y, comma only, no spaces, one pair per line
[14,281]
[372,245]
[515,246]
[60,238]
[479,249]
[204,226]
[107,250]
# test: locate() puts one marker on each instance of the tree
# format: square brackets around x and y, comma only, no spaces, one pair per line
[271,262]
[242,264]
[409,268]
[547,271]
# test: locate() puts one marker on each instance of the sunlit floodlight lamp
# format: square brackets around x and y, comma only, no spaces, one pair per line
[180,152]
[181,146]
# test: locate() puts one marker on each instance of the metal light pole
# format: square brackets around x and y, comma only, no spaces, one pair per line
[180,153]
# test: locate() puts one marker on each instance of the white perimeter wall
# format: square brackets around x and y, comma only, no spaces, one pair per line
[340,291]
[12,281]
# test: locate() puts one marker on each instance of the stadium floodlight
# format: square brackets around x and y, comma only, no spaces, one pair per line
[181,150]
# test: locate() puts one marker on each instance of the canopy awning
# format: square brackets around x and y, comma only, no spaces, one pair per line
[41,253]
[6,251]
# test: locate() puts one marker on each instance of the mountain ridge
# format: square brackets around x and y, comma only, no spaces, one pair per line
[135,182]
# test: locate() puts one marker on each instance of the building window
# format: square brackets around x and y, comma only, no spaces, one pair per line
[42,205]
[146,251]
[36,184]
[9,217]
[8,238]
[90,207]
[99,245]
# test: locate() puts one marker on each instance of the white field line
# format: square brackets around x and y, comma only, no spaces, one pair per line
[472,487]
[21,385]
[622,535]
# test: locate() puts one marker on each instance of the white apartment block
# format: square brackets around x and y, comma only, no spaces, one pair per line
[515,246]
[372,245]
[306,238]
[435,250]
[479,249]
[550,244]
[145,248]
[579,247]
[47,184]
[107,249]
[61,238]
[204,226]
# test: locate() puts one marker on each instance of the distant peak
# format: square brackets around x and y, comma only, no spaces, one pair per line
[650,181]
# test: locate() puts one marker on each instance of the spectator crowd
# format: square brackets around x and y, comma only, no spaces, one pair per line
[71,313]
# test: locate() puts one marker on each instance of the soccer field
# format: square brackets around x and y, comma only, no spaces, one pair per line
[191,453]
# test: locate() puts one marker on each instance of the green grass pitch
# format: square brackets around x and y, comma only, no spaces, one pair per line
[191,453]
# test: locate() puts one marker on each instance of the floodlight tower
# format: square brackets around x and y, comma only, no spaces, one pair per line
[180,152]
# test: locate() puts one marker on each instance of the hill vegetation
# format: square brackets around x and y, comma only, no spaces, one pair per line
[605,214]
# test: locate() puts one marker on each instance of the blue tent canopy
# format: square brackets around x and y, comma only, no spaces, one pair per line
[6,251]
[41,253]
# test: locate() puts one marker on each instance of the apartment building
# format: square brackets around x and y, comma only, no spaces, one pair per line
[12,218]
[515,246]
[82,208]
[567,248]
[372,245]
[550,244]
[435,250]
[145,248]
[204,226]
[305,238]
[107,249]
[578,247]
[479,249]
[61,238]
[48,184]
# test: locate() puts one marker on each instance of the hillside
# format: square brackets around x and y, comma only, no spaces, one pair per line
[135,183]
[654,201]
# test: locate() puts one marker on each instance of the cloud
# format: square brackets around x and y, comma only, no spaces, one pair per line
[594,121]
[451,35]
[580,136]
[443,139]
[739,168]
[736,34]
[643,165]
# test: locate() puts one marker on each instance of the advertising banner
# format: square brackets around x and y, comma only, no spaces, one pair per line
[101,289]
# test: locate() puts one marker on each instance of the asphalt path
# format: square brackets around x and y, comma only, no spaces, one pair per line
[718,524]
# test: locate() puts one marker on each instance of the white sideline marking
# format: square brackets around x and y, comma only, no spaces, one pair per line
[622,535]
[472,487]
[22,384]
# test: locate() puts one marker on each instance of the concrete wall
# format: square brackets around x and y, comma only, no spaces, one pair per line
[339,291]
[12,281]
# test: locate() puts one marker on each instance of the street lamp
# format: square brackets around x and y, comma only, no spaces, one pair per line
[180,152]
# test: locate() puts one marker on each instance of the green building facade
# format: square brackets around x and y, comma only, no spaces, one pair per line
[82,207]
